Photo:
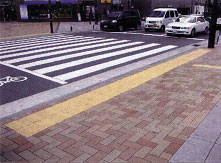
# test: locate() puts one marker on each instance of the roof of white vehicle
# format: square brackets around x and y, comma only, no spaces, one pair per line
[164,9]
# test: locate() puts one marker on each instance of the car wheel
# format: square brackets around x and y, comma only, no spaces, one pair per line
[162,29]
[146,29]
[121,28]
[135,27]
[169,34]
[206,30]
[193,32]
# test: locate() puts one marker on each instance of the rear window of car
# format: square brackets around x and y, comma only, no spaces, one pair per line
[157,14]
[115,14]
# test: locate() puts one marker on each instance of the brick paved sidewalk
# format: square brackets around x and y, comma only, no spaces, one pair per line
[146,124]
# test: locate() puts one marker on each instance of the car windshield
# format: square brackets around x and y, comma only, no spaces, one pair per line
[186,20]
[157,14]
[114,15]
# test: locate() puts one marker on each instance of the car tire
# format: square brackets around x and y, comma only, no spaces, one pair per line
[135,27]
[146,29]
[193,32]
[120,28]
[162,29]
[169,34]
[206,30]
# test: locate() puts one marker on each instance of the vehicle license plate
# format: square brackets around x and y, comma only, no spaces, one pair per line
[155,25]
[105,26]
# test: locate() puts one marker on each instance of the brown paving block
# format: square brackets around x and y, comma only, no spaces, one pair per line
[6,141]
[9,148]
[142,124]
[23,147]
[52,159]
[97,157]
[60,138]
[73,151]
[172,148]
[81,158]
[68,158]
[147,143]
[104,148]
[174,140]
[27,155]
[154,159]
[38,146]
[94,141]
[20,140]
[112,155]
[187,131]
[57,152]
[88,150]
[125,155]
[80,143]
[12,156]
[115,133]
[134,159]
[141,153]
[88,135]
[132,144]
[166,156]
[42,133]
[108,140]
[79,130]
[43,154]
[66,144]
[2,159]
[118,147]
[55,131]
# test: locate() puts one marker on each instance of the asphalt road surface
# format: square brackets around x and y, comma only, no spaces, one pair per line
[35,64]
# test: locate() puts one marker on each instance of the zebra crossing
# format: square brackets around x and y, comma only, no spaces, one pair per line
[65,58]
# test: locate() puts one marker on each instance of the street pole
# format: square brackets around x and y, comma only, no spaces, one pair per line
[50,16]
[212,24]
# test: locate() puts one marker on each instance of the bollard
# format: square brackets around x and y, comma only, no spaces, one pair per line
[71,28]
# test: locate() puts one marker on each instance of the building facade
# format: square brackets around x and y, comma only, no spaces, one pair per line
[83,10]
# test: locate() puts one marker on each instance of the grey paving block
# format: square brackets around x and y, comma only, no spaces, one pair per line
[193,150]
[215,155]
[219,140]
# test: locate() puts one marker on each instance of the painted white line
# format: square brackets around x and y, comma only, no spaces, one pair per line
[16,41]
[157,35]
[98,67]
[44,44]
[50,60]
[91,59]
[89,41]
[35,74]
[30,42]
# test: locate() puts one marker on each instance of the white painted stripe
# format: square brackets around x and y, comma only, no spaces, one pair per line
[91,59]
[33,73]
[50,60]
[12,45]
[157,35]
[43,44]
[35,39]
[53,48]
[98,67]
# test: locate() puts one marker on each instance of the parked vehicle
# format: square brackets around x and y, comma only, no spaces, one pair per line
[188,25]
[160,18]
[121,20]
[218,23]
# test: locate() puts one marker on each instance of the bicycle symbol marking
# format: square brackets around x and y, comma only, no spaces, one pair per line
[9,79]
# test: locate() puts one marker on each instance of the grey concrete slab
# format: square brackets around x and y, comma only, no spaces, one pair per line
[219,140]
[215,155]
[210,134]
[193,150]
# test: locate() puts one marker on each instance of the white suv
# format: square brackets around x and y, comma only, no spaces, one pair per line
[160,18]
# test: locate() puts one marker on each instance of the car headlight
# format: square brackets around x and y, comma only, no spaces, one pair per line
[102,21]
[185,28]
[114,21]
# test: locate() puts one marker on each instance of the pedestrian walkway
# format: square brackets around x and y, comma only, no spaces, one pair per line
[129,120]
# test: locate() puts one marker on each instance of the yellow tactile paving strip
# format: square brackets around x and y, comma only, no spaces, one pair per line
[207,66]
[36,122]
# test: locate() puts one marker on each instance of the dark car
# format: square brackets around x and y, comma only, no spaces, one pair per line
[121,20]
